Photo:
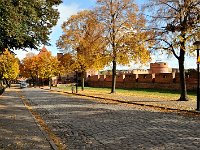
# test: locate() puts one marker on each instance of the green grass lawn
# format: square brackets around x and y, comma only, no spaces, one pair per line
[151,93]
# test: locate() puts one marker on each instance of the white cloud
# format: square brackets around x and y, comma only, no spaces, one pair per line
[21,54]
[65,12]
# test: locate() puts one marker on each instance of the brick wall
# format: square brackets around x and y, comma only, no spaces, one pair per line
[154,81]
[108,78]
[93,78]
[164,78]
[120,78]
[145,78]
[130,78]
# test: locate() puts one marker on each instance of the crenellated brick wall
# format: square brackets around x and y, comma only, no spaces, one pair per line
[145,78]
[164,78]
[155,81]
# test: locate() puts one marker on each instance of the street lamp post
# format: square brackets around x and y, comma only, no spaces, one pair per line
[197,44]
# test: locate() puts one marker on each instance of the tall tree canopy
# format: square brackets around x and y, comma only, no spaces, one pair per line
[26,23]
[123,30]
[83,38]
[177,25]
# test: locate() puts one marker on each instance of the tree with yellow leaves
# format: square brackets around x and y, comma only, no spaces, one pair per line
[47,66]
[126,41]
[83,39]
[9,67]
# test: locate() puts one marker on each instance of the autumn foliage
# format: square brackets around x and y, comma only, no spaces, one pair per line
[111,33]
[176,26]
[83,39]
[9,66]
[41,66]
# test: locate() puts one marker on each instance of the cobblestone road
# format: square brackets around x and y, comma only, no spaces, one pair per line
[84,123]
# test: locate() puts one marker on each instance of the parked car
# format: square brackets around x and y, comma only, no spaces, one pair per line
[23,84]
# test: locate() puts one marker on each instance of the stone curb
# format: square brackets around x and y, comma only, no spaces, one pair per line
[189,112]
[52,144]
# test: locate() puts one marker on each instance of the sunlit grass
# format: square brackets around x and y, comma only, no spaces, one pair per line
[149,93]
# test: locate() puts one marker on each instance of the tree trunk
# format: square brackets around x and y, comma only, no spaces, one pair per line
[37,80]
[183,96]
[42,80]
[82,81]
[76,81]
[7,83]
[1,83]
[113,34]
[50,83]
[33,80]
[113,77]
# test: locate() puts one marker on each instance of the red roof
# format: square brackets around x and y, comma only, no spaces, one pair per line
[43,50]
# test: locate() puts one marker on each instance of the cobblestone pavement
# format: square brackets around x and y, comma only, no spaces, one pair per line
[156,102]
[18,129]
[86,123]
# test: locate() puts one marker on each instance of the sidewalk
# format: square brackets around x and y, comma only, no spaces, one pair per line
[187,106]
[18,129]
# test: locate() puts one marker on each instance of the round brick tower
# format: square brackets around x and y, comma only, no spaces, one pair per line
[159,67]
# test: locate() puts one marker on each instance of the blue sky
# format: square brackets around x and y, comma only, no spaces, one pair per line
[70,7]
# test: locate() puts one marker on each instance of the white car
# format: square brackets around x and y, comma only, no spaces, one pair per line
[23,84]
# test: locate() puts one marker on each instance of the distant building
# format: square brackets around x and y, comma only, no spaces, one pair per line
[59,55]
[140,71]
[71,77]
[159,67]
[176,70]
[91,72]
[43,50]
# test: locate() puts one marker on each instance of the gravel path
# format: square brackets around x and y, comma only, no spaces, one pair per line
[86,123]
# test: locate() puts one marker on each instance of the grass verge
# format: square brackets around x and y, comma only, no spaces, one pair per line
[150,93]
